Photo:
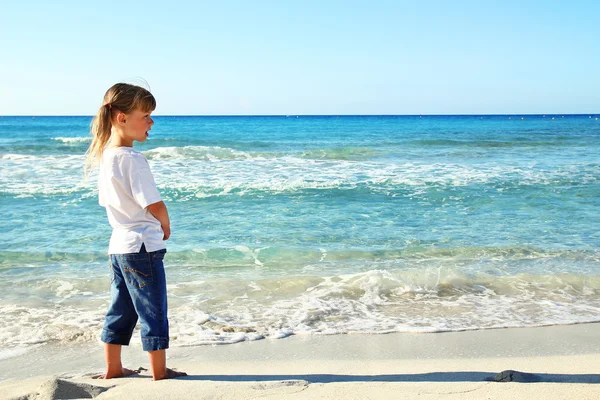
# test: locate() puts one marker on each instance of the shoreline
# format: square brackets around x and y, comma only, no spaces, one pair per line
[329,365]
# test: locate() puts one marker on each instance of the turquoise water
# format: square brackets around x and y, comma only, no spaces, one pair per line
[315,225]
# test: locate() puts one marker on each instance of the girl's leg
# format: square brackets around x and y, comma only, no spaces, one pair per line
[114,368]
[158,366]
[145,277]
[119,323]
[112,356]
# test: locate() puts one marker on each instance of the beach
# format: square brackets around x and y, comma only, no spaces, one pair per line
[559,362]
[356,200]
[317,257]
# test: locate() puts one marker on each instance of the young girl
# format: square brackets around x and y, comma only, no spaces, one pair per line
[140,225]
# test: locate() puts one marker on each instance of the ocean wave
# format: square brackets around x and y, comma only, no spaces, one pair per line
[382,301]
[280,259]
[221,310]
[414,255]
[294,175]
[50,175]
[33,259]
[206,153]
[72,140]
[225,172]
[524,142]
[215,153]
[343,153]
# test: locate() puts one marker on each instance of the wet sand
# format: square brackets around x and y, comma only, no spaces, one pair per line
[556,362]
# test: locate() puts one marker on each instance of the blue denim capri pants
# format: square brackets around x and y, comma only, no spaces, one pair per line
[138,290]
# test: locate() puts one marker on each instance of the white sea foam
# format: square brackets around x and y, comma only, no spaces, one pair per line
[223,311]
[239,174]
[72,140]
[14,352]
[191,153]
[24,175]
[26,326]
[291,174]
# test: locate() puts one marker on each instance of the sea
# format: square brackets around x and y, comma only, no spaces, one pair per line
[313,225]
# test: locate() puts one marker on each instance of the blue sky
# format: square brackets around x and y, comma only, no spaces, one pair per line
[303,57]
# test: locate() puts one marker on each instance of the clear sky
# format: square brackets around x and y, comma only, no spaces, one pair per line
[303,57]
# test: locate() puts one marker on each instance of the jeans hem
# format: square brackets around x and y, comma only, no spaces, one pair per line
[115,338]
[155,343]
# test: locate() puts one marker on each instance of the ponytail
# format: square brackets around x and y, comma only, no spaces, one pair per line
[100,130]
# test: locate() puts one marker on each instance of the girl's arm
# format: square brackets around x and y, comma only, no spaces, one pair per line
[159,210]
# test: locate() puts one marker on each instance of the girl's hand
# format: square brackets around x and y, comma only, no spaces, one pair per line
[159,210]
[166,232]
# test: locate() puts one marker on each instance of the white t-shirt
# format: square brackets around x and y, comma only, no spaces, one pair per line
[125,188]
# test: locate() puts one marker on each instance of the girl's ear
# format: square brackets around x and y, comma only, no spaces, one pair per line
[121,118]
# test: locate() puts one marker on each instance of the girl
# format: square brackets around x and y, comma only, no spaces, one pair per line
[140,225]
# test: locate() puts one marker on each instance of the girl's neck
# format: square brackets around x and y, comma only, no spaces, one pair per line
[118,139]
[111,147]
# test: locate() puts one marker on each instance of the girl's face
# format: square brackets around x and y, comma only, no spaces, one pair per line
[137,125]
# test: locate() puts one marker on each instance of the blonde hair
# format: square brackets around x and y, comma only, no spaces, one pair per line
[122,97]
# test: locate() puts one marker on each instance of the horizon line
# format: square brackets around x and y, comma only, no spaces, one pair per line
[321,115]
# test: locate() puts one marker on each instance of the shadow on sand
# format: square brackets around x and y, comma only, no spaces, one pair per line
[505,376]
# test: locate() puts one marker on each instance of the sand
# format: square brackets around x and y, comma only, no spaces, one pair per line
[559,362]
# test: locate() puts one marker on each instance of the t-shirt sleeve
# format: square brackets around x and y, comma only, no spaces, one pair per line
[143,187]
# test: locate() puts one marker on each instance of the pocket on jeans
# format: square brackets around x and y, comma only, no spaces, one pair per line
[137,268]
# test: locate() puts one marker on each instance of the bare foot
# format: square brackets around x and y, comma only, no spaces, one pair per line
[124,372]
[171,373]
